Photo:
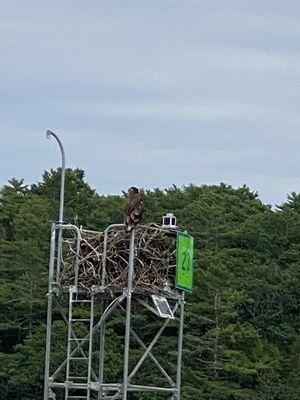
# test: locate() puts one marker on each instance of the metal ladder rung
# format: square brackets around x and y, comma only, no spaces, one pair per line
[81,301]
[80,320]
[78,358]
[80,339]
[77,377]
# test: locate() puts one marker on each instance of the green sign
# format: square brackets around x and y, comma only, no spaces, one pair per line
[184,265]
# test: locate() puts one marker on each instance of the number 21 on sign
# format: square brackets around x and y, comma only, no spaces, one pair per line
[184,263]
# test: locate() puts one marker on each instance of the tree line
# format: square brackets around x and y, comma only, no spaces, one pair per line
[242,322]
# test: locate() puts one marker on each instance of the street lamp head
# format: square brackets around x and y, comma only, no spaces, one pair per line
[48,134]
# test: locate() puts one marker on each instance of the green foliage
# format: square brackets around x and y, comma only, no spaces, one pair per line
[242,321]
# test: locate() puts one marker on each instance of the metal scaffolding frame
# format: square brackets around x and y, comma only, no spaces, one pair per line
[80,348]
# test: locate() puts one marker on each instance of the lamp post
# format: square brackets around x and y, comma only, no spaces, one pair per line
[52,260]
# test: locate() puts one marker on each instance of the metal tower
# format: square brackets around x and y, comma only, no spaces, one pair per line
[89,382]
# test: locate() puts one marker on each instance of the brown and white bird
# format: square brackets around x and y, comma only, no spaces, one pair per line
[133,209]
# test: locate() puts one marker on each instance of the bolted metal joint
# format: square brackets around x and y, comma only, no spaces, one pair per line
[127,292]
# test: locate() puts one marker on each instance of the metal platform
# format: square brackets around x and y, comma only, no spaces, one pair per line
[80,349]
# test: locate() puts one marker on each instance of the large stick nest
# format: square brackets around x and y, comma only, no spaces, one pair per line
[154,263]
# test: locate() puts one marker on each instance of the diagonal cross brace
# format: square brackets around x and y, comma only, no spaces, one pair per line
[156,362]
[149,348]
[153,358]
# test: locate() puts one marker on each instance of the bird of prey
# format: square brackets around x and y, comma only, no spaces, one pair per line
[133,209]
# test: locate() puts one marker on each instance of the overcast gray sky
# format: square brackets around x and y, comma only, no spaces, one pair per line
[152,93]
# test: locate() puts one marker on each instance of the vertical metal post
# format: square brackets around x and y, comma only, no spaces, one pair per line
[90,348]
[104,257]
[128,314]
[77,260]
[70,316]
[106,232]
[101,357]
[180,340]
[62,194]
[49,313]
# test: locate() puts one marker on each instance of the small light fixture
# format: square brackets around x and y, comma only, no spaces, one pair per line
[169,221]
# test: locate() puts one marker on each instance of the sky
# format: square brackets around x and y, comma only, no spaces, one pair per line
[153,93]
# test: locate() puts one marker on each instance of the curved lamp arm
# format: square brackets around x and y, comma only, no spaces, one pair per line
[63,167]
